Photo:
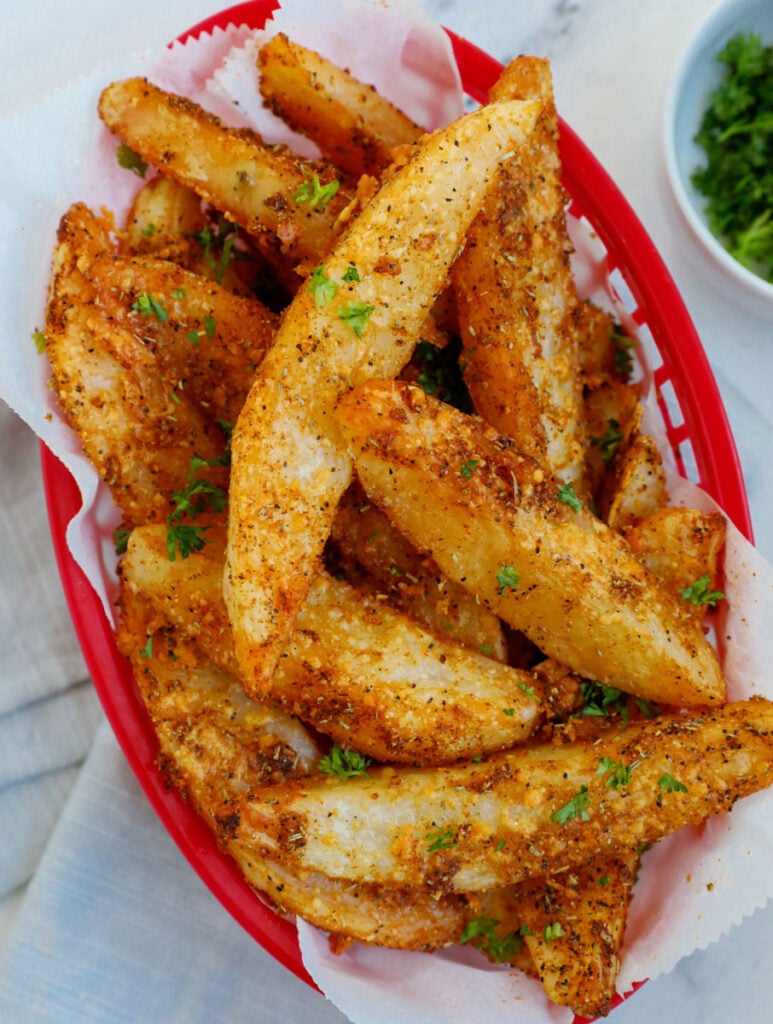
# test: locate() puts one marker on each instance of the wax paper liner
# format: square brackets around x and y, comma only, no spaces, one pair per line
[694,885]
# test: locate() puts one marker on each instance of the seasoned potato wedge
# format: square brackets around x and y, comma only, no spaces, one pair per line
[550,569]
[354,127]
[522,813]
[356,669]
[358,318]
[253,184]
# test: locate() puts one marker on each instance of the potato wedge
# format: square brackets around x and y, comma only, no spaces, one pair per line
[516,297]
[207,342]
[139,433]
[215,745]
[503,529]
[380,560]
[356,669]
[358,318]
[523,813]
[354,127]
[232,169]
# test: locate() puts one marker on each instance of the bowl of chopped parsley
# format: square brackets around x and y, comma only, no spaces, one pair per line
[719,139]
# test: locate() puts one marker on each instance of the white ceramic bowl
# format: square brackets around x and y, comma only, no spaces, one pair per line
[697,75]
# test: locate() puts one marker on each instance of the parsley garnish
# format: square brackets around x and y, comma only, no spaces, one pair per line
[147,650]
[132,161]
[601,700]
[323,288]
[469,467]
[553,931]
[508,711]
[178,293]
[39,337]
[574,808]
[440,839]
[224,239]
[619,773]
[736,133]
[567,495]
[148,231]
[146,305]
[121,539]
[356,315]
[193,499]
[499,948]
[609,442]
[699,593]
[668,784]
[622,347]
[507,576]
[439,374]
[352,274]
[529,691]
[315,194]
[344,763]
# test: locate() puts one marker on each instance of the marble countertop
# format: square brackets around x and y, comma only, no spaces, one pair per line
[612,63]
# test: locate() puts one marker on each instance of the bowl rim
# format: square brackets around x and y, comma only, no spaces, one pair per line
[719,18]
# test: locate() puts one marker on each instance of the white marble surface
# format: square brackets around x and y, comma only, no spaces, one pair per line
[612,60]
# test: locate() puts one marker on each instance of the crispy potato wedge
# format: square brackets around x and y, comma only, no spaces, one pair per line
[349,325]
[558,574]
[636,486]
[358,670]
[162,220]
[232,169]
[571,925]
[354,127]
[215,745]
[139,433]
[680,546]
[516,297]
[207,342]
[523,813]
[378,559]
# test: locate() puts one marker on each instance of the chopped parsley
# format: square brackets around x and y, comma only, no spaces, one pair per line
[736,134]
[600,700]
[553,931]
[574,808]
[316,194]
[699,593]
[356,315]
[668,784]
[146,305]
[440,375]
[121,539]
[567,494]
[197,496]
[147,650]
[618,774]
[352,274]
[508,711]
[149,230]
[222,240]
[440,839]
[608,442]
[39,337]
[323,288]
[507,578]
[499,948]
[131,160]
[178,293]
[468,468]
[529,691]
[622,347]
[344,763]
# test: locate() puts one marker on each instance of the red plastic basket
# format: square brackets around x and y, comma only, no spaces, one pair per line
[694,419]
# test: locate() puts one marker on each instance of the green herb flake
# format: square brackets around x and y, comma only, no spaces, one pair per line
[499,948]
[221,241]
[356,315]
[553,931]
[507,578]
[314,194]
[468,468]
[486,649]
[210,326]
[121,539]
[323,288]
[567,495]
[149,230]
[618,774]
[622,348]
[130,160]
[178,293]
[440,839]
[352,274]
[668,784]
[39,337]
[146,305]
[609,442]
[344,764]
[600,700]
[508,711]
[699,593]
[197,496]
[147,650]
[530,692]
[574,808]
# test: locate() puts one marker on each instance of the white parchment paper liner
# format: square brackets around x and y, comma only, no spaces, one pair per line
[694,885]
